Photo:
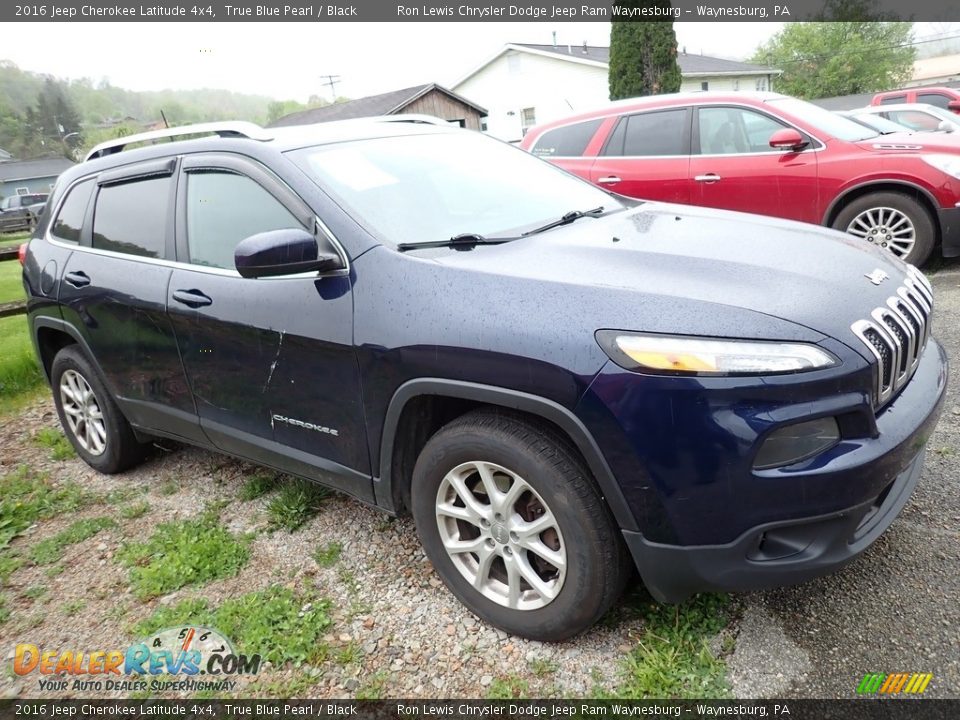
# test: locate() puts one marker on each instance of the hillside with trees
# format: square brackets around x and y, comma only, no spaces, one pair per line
[42,115]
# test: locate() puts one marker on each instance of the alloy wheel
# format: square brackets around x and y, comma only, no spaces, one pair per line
[886,227]
[83,413]
[501,536]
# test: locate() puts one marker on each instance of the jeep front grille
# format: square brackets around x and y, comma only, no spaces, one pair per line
[896,334]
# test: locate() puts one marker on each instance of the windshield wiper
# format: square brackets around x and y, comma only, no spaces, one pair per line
[566,220]
[464,241]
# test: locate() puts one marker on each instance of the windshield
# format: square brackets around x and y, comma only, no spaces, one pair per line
[430,187]
[880,124]
[825,121]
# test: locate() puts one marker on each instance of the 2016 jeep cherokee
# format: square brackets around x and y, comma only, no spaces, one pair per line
[552,379]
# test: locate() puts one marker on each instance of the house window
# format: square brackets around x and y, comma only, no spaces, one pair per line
[761,84]
[23,191]
[705,85]
[528,118]
[736,84]
[483,124]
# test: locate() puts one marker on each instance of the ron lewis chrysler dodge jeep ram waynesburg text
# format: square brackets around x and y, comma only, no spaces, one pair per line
[557,382]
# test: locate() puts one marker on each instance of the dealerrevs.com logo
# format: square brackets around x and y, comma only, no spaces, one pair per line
[894,683]
[180,654]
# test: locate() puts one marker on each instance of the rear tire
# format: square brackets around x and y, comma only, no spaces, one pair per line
[892,221]
[516,527]
[90,418]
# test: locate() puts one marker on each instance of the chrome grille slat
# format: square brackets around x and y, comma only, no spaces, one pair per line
[896,335]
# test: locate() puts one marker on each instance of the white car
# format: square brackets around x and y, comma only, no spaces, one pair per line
[915,116]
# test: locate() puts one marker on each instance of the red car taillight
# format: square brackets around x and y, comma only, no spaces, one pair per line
[22,253]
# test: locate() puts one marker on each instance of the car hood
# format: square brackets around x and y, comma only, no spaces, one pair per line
[803,274]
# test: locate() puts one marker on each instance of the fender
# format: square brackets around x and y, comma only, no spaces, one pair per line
[491,395]
[837,201]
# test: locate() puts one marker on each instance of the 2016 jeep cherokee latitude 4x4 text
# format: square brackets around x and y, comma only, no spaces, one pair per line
[552,379]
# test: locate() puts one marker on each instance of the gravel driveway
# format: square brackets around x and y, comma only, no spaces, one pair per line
[895,610]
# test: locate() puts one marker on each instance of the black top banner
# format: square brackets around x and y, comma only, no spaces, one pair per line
[474,11]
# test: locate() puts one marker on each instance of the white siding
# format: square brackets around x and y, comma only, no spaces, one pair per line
[725,83]
[554,88]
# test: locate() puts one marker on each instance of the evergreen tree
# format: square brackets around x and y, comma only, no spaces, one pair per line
[643,54]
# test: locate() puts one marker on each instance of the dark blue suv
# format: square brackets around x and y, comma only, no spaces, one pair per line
[560,384]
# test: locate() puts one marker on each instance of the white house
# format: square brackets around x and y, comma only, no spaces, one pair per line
[523,85]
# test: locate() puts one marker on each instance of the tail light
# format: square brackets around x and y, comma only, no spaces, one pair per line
[22,253]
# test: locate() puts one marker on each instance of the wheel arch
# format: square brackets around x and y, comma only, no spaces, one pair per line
[432,402]
[52,335]
[922,195]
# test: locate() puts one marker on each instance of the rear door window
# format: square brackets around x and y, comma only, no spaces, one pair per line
[657,133]
[131,217]
[937,99]
[893,99]
[69,220]
[567,141]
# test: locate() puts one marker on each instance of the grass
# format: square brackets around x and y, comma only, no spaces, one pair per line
[185,552]
[48,551]
[258,485]
[60,448]
[4,610]
[26,497]
[20,375]
[35,592]
[295,503]
[131,512]
[373,687]
[543,666]
[672,658]
[11,281]
[170,487]
[511,687]
[278,624]
[16,239]
[328,555]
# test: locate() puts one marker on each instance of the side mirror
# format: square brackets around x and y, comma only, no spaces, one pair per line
[787,139]
[954,106]
[946,126]
[282,252]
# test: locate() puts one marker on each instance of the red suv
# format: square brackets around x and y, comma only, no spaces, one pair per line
[941,97]
[768,154]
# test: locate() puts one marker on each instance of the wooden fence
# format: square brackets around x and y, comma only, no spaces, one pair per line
[17,307]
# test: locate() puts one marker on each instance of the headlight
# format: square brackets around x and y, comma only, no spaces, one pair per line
[949,164]
[703,356]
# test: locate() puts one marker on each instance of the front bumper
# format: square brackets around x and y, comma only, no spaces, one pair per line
[949,219]
[774,554]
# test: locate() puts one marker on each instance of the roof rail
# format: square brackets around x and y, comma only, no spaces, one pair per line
[239,129]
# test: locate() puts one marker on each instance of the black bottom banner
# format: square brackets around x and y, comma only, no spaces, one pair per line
[873,709]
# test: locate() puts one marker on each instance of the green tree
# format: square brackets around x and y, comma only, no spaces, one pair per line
[826,59]
[643,54]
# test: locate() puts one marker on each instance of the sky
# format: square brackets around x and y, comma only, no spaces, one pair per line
[288,60]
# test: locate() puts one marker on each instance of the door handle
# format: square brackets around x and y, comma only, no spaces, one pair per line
[608,179]
[709,177]
[191,298]
[78,279]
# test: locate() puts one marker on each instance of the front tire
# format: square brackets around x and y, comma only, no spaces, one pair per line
[90,418]
[515,526]
[892,221]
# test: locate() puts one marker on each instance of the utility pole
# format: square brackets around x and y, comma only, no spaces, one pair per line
[332,80]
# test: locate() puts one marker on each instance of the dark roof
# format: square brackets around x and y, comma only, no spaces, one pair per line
[689,64]
[29,169]
[372,106]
